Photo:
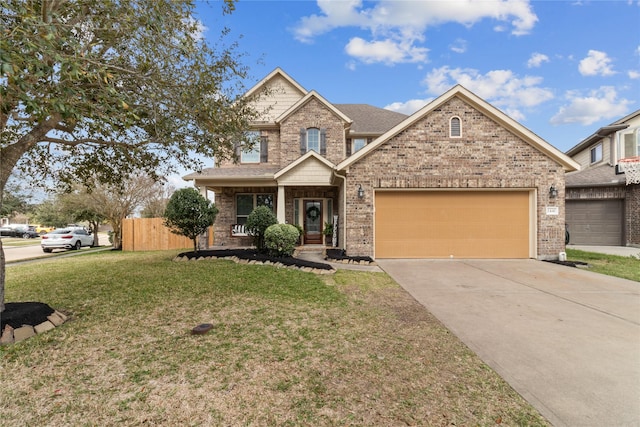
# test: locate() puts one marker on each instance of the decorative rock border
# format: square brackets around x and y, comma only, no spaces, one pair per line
[238,260]
[12,336]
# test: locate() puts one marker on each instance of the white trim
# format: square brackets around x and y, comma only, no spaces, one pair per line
[265,80]
[307,98]
[459,127]
[301,160]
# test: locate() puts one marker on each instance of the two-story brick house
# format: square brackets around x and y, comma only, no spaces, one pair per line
[603,208]
[458,178]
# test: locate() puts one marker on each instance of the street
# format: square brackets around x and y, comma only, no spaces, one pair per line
[30,251]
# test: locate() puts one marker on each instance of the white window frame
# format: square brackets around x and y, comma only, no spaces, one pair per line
[596,154]
[451,135]
[253,155]
[315,131]
[357,141]
[255,203]
[622,143]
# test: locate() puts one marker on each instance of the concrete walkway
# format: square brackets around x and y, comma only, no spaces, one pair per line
[609,250]
[566,339]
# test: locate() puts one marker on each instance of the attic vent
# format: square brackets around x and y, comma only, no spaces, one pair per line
[455,130]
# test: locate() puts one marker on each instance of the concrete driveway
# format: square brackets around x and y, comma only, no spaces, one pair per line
[566,339]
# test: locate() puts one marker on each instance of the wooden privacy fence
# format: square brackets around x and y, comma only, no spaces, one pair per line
[150,234]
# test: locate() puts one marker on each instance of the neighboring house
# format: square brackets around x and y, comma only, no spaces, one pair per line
[602,208]
[458,178]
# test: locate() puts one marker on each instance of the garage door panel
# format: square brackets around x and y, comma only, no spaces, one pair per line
[595,222]
[440,224]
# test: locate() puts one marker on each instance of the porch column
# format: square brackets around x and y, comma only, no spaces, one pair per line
[203,191]
[280,206]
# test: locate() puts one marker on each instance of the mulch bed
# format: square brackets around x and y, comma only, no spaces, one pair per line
[341,254]
[253,255]
[569,263]
[17,314]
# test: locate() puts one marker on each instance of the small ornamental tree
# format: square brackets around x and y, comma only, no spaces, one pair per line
[281,239]
[189,214]
[258,221]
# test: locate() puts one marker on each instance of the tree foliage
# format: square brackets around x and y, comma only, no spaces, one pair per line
[100,90]
[258,221]
[189,214]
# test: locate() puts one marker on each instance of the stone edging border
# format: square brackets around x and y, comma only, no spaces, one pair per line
[255,262]
[12,336]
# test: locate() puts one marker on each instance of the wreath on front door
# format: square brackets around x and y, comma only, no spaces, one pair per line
[313,213]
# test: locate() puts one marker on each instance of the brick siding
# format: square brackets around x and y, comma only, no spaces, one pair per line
[487,156]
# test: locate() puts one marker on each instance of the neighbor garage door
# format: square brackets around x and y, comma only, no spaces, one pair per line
[462,224]
[595,222]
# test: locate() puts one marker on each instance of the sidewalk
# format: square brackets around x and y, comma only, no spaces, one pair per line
[609,250]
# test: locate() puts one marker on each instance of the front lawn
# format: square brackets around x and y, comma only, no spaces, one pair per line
[612,265]
[288,348]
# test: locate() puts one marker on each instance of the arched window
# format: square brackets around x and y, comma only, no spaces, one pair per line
[455,127]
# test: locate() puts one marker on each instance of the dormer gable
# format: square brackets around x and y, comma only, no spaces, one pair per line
[308,97]
[275,94]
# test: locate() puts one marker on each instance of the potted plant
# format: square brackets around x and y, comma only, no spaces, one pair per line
[328,233]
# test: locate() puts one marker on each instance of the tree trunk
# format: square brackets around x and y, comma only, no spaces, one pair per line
[1,279]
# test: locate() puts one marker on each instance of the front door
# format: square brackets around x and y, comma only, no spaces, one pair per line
[313,222]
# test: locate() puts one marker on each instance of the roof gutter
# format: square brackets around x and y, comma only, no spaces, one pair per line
[600,133]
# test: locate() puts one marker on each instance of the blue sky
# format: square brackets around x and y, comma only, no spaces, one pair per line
[561,68]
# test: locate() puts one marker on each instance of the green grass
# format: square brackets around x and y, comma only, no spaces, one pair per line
[612,265]
[287,348]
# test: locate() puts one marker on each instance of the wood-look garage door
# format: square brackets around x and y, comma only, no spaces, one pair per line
[462,224]
[595,222]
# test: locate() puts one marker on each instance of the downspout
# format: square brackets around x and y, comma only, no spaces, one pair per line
[344,208]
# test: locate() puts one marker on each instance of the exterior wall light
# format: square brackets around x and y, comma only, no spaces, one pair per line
[360,191]
[553,192]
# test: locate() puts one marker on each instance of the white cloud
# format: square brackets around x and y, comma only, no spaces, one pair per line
[536,60]
[502,88]
[403,23]
[459,46]
[409,107]
[633,74]
[596,63]
[386,51]
[598,104]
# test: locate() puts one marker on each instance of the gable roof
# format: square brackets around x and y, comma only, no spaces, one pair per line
[303,159]
[483,106]
[602,132]
[278,71]
[307,98]
[368,119]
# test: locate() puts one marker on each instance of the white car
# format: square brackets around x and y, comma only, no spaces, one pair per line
[66,238]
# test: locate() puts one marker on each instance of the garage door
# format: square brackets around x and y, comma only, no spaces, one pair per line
[595,222]
[462,224]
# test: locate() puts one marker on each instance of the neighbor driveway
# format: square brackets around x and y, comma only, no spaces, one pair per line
[566,339]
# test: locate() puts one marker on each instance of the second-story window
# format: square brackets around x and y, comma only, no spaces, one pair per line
[596,154]
[455,127]
[250,152]
[313,139]
[358,144]
[253,148]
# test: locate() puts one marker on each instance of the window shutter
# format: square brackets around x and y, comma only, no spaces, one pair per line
[264,149]
[303,141]
[323,142]
[348,147]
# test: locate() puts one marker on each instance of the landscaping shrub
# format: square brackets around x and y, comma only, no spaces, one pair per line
[280,239]
[258,221]
[189,214]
